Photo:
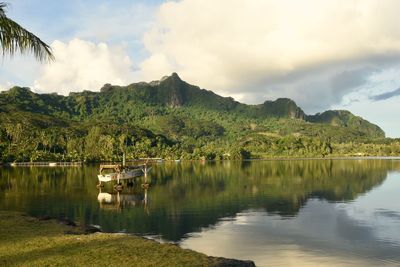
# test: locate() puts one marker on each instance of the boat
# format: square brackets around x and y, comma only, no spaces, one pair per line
[119,172]
[120,176]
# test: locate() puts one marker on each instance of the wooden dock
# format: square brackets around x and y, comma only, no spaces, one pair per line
[46,164]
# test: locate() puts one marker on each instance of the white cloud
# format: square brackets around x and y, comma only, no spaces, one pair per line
[155,67]
[82,65]
[322,54]
[305,50]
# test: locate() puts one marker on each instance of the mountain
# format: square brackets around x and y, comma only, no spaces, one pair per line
[171,118]
[344,118]
[168,93]
[171,92]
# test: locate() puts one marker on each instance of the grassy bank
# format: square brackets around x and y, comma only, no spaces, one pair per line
[29,241]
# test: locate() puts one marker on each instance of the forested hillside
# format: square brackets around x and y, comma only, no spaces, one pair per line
[173,119]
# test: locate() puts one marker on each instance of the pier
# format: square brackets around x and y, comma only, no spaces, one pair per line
[45,164]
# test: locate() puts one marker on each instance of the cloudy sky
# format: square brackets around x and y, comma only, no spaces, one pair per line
[341,54]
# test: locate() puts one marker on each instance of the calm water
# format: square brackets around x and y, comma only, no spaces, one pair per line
[299,213]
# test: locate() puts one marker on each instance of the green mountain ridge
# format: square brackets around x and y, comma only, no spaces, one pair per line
[171,118]
[171,92]
[345,118]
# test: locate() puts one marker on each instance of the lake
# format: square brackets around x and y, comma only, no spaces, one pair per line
[276,213]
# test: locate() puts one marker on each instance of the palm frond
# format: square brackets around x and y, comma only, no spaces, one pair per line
[2,8]
[14,38]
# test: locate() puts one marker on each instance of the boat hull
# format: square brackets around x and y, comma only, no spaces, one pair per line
[120,176]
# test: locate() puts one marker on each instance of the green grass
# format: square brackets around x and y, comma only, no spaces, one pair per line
[27,241]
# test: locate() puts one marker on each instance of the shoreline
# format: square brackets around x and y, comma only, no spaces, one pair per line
[40,241]
[81,164]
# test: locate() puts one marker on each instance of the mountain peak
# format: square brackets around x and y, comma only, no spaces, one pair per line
[174,90]
[283,107]
[174,77]
[347,119]
[19,89]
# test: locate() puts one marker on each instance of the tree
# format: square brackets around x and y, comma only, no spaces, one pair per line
[92,147]
[14,38]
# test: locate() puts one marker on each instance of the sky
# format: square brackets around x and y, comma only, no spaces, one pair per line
[331,54]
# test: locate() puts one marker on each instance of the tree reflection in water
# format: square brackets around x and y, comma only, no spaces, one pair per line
[187,196]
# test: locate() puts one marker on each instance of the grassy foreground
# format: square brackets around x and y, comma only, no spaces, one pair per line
[28,241]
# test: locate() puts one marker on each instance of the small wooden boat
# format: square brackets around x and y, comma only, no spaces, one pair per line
[116,176]
[119,172]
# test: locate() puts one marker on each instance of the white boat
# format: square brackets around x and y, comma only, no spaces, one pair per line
[121,173]
[115,176]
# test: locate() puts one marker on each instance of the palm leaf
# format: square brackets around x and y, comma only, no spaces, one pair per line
[2,7]
[14,38]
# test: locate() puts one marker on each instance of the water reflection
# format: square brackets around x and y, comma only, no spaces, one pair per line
[355,233]
[301,197]
[120,199]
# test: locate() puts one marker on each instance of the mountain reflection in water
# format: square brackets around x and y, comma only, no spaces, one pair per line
[294,208]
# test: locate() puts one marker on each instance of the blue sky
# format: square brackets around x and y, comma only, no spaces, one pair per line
[65,20]
[323,54]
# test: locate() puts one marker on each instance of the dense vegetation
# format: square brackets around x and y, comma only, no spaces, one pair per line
[173,119]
